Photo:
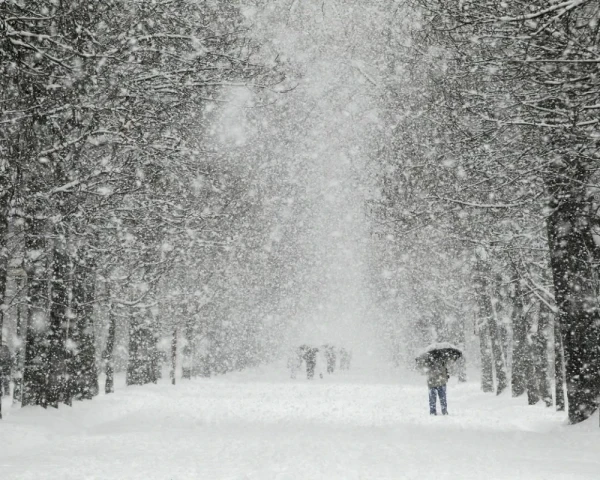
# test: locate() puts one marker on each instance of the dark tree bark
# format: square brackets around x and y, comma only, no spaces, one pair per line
[462,369]
[174,357]
[142,365]
[487,317]
[85,372]
[499,303]
[573,277]
[34,369]
[487,372]
[136,372]
[155,362]
[3,276]
[481,324]
[108,354]
[18,363]
[540,347]
[189,360]
[56,389]
[88,387]
[462,361]
[498,355]
[532,379]
[531,361]
[520,344]
[6,192]
[533,393]
[559,375]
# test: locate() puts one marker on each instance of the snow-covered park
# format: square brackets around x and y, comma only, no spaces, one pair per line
[296,210]
[364,424]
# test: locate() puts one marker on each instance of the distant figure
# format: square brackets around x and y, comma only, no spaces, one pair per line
[330,358]
[321,367]
[310,357]
[294,362]
[437,377]
[5,368]
[345,358]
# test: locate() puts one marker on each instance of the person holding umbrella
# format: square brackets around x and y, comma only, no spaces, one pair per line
[434,362]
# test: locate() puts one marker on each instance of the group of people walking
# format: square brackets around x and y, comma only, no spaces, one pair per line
[433,362]
[324,358]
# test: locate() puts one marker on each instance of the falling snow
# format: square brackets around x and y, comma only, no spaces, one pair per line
[236,239]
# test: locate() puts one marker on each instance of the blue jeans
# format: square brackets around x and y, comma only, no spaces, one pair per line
[441,392]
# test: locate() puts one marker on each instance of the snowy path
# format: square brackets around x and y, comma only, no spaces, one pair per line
[254,426]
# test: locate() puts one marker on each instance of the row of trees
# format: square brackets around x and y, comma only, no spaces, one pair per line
[491,172]
[133,207]
[116,202]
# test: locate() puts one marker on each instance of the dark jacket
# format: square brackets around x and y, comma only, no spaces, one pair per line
[437,375]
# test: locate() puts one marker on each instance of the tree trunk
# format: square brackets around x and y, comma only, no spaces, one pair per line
[532,380]
[141,368]
[189,361]
[559,375]
[90,387]
[533,394]
[34,369]
[500,297]
[174,356]
[18,363]
[3,275]
[541,355]
[481,324]
[498,356]
[538,385]
[462,361]
[520,344]
[135,364]
[7,189]
[85,372]
[56,358]
[573,275]
[487,374]
[487,317]
[462,369]
[155,370]
[108,355]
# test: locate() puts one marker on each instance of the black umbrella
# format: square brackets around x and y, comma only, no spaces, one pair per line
[438,353]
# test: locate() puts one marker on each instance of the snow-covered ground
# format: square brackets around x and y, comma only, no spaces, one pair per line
[261,425]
